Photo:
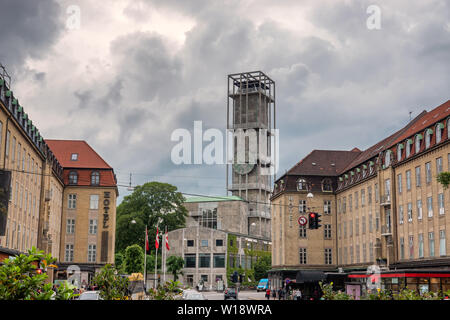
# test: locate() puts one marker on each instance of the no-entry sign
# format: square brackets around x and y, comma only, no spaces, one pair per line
[302,221]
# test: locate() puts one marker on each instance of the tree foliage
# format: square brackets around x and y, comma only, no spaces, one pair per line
[444,179]
[20,281]
[112,286]
[134,259]
[146,205]
[174,266]
[262,267]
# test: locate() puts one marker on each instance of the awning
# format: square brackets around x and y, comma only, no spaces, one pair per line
[304,276]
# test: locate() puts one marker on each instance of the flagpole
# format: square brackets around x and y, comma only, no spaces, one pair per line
[145,261]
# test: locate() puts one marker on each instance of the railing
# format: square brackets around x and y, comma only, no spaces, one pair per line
[385,199]
[386,230]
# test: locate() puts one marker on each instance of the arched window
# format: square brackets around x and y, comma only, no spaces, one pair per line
[428,135]
[399,151]
[439,130]
[95,178]
[73,177]
[327,185]
[301,184]
[419,138]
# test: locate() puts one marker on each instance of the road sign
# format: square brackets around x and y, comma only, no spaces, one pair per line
[302,221]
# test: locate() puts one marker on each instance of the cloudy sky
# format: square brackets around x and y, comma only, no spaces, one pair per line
[127,73]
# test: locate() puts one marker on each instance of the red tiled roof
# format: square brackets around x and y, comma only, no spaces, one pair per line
[88,161]
[87,157]
[324,162]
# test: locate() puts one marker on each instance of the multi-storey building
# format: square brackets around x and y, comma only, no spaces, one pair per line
[387,210]
[56,195]
[88,217]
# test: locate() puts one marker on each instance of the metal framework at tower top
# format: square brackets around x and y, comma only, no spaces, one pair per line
[251,105]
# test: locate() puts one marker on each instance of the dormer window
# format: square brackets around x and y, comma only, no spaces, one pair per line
[428,134]
[399,152]
[326,185]
[439,130]
[408,147]
[364,171]
[301,184]
[371,167]
[74,157]
[73,177]
[387,158]
[95,178]
[419,138]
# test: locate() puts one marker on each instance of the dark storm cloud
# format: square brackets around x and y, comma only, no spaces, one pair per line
[28,29]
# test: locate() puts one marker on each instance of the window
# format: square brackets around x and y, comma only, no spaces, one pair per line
[350,202]
[377,195]
[73,177]
[204,277]
[8,137]
[302,255]
[357,227]
[327,206]
[441,203]
[430,206]
[302,231]
[190,260]
[370,223]
[13,151]
[408,180]
[327,231]
[408,147]
[95,178]
[19,150]
[301,184]
[209,218]
[418,142]
[442,248]
[428,134]
[402,248]
[190,243]
[419,209]
[377,221]
[356,200]
[431,243]
[302,206]
[387,158]
[345,229]
[371,251]
[400,214]
[219,260]
[409,212]
[351,228]
[74,157]
[204,260]
[69,253]
[72,203]
[70,228]
[328,256]
[428,171]
[418,179]
[219,242]
[364,253]
[439,165]
[326,185]
[411,247]
[439,128]
[93,203]
[420,245]
[204,243]
[93,226]
[369,195]
[399,183]
[399,152]
[92,253]
[363,198]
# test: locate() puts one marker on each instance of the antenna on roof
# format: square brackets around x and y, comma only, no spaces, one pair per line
[410,116]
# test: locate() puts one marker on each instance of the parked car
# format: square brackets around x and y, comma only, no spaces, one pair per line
[263,285]
[90,295]
[230,293]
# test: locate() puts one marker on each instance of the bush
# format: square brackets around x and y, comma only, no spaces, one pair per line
[111,285]
[329,294]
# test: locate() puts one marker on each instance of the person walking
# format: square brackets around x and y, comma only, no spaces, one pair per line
[280,293]
[268,293]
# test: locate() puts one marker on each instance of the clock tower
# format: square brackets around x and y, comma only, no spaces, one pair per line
[251,119]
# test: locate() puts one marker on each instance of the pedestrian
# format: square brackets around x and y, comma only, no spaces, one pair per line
[274,294]
[268,293]
[280,293]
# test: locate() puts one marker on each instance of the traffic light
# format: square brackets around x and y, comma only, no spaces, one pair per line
[312,220]
[317,220]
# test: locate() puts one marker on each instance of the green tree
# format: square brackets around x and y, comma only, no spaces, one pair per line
[20,281]
[146,205]
[112,286]
[262,267]
[119,262]
[444,179]
[134,259]
[174,266]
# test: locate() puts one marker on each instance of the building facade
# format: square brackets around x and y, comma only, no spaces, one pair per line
[88,208]
[216,242]
[388,209]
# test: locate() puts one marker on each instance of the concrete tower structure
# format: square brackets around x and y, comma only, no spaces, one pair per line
[251,120]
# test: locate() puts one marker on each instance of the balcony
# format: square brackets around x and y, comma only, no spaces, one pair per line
[386,230]
[385,200]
